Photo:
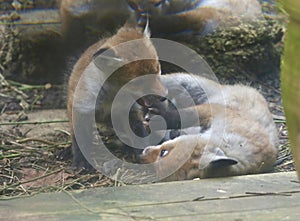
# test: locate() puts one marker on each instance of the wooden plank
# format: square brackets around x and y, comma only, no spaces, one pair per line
[265,215]
[217,198]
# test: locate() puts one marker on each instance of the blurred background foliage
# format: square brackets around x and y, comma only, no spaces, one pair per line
[290,76]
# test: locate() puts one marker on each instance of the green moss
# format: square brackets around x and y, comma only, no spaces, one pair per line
[249,49]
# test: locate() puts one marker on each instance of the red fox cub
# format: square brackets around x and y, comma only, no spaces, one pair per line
[93,18]
[93,71]
[194,16]
[232,144]
[246,100]
[230,127]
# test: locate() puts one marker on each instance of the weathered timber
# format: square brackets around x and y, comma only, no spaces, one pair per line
[253,197]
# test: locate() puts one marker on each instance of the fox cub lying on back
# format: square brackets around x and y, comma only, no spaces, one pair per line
[228,129]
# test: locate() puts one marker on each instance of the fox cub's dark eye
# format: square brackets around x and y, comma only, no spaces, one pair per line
[162,99]
[163,153]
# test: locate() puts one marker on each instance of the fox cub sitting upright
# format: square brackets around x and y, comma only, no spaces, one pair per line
[92,88]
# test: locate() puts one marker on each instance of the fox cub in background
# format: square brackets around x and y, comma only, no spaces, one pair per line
[190,17]
[234,134]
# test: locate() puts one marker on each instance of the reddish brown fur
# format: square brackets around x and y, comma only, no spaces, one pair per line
[253,150]
[200,17]
[139,49]
[126,73]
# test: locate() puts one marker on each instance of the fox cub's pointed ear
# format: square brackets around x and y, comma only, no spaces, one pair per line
[220,159]
[225,162]
[147,32]
[107,61]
